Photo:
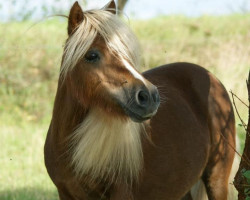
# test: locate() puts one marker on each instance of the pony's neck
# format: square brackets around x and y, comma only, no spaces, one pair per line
[67,114]
[107,148]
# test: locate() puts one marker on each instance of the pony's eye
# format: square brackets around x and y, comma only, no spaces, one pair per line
[92,56]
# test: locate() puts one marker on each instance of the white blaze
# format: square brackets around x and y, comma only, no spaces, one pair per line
[133,71]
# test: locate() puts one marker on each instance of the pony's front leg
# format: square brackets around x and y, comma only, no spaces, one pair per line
[216,182]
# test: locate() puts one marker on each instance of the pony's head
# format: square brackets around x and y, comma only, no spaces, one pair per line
[98,65]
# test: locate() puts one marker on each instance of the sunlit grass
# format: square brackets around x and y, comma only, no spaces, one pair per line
[23,175]
[29,64]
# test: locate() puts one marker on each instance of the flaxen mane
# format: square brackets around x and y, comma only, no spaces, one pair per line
[117,35]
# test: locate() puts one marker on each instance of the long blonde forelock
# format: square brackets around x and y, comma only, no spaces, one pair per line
[116,34]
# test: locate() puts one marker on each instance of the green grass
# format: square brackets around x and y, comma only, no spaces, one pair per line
[29,64]
[23,175]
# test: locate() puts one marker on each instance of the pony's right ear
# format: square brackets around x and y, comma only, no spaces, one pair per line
[75,17]
[111,7]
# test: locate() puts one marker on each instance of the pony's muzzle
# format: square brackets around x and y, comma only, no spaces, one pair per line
[145,104]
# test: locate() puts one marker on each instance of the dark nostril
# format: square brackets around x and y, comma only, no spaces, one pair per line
[143,98]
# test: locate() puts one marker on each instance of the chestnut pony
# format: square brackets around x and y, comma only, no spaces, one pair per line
[110,138]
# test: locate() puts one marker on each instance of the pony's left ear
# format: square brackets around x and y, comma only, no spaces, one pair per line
[75,17]
[111,7]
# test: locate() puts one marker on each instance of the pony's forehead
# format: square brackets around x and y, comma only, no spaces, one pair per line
[117,36]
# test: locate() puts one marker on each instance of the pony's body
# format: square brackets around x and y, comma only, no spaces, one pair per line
[97,149]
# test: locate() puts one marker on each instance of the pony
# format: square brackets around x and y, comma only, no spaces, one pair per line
[118,134]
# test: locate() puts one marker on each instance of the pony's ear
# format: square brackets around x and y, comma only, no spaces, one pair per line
[75,17]
[111,7]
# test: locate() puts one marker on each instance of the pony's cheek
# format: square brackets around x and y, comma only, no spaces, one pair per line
[107,100]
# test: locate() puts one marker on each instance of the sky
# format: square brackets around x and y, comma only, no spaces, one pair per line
[142,9]
[151,8]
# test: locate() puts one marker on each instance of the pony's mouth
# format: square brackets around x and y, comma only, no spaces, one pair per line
[137,117]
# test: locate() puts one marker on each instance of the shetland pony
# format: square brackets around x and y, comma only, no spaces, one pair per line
[110,137]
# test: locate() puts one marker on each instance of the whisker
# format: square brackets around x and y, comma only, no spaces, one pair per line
[163,93]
